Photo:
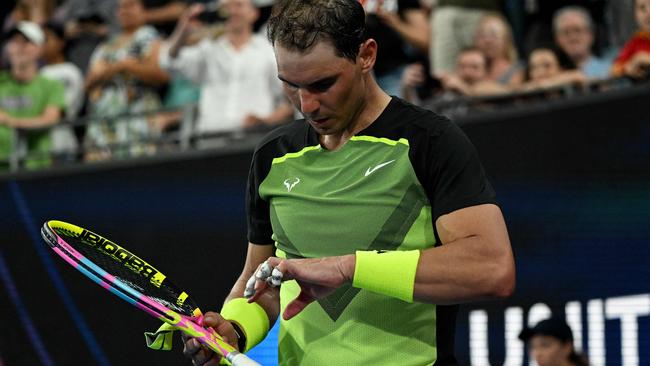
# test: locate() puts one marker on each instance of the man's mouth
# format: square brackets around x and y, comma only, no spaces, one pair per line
[319,121]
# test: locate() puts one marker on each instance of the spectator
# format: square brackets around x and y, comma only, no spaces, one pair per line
[64,142]
[229,68]
[402,30]
[545,70]
[574,34]
[539,20]
[469,79]
[634,59]
[494,39]
[471,75]
[550,343]
[123,78]
[453,27]
[28,101]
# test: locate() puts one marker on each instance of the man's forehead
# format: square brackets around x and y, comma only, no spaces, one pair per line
[320,53]
[311,66]
[571,17]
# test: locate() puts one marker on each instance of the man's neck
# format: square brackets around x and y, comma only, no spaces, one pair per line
[24,73]
[239,37]
[372,107]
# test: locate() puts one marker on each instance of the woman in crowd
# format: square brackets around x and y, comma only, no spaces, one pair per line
[494,39]
[546,70]
[123,77]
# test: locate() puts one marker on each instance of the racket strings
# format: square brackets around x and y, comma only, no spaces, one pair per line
[133,275]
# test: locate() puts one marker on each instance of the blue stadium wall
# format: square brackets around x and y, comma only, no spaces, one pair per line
[572,177]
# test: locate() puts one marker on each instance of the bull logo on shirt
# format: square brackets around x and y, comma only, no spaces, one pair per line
[290,183]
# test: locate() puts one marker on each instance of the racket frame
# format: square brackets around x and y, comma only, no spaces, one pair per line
[187,324]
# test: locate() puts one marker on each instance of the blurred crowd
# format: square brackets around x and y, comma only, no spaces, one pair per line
[129,68]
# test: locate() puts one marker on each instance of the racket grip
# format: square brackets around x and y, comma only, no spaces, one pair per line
[240,359]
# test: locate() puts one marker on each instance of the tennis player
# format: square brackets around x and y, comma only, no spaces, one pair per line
[375,215]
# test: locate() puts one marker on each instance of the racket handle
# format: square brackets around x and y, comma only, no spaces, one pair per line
[240,359]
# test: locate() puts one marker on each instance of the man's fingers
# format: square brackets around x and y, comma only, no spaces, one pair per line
[276,278]
[250,287]
[297,305]
[205,358]
[267,274]
[258,276]
[190,347]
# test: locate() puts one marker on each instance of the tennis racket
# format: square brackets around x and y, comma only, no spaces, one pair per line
[135,281]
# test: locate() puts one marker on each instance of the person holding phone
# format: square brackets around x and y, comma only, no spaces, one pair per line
[227,68]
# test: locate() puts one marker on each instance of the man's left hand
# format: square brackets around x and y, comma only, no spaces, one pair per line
[317,278]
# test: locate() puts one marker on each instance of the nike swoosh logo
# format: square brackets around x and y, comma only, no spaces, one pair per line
[372,170]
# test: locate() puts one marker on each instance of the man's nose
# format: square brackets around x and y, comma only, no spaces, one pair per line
[308,102]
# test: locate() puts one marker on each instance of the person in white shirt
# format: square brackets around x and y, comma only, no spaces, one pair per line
[236,71]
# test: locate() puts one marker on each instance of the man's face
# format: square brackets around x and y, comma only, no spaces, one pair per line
[642,13]
[543,64]
[573,35]
[549,351]
[21,51]
[240,13]
[471,67]
[326,88]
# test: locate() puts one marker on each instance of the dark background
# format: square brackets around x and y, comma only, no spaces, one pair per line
[572,177]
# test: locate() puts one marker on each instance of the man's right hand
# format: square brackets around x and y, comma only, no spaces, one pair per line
[187,24]
[202,356]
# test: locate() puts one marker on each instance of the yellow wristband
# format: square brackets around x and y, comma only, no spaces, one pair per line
[251,318]
[390,273]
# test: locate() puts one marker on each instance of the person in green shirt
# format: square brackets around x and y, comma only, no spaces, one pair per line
[375,215]
[28,101]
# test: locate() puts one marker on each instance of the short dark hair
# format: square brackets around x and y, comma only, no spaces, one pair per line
[300,24]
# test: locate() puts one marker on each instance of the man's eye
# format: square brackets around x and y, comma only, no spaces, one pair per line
[322,86]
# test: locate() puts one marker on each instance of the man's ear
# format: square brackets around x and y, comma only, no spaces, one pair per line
[367,55]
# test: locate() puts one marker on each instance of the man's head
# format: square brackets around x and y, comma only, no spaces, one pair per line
[471,66]
[24,44]
[550,342]
[299,25]
[642,14]
[324,60]
[241,14]
[574,32]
